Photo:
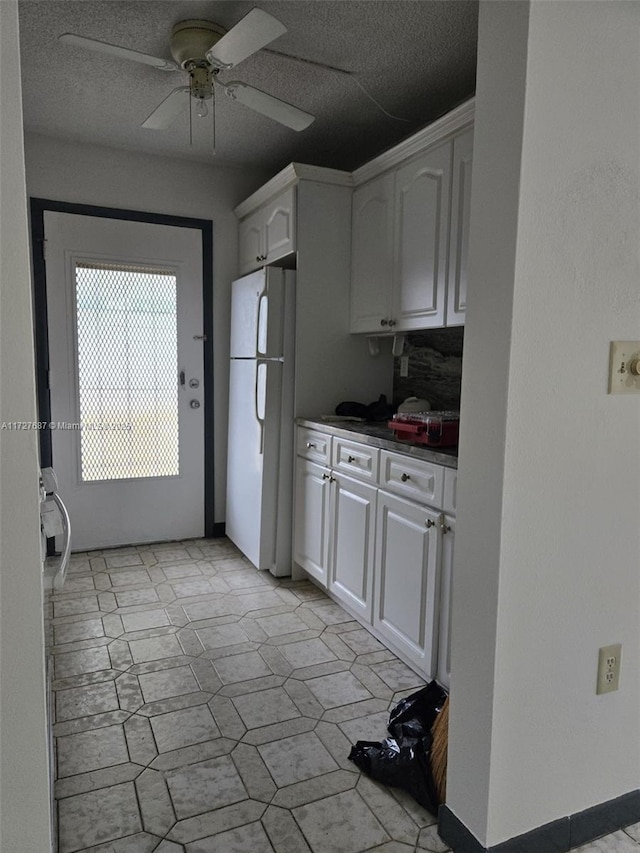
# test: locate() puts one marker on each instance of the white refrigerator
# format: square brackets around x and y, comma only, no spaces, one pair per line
[261,408]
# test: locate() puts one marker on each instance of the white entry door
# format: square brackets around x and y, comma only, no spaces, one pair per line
[124,313]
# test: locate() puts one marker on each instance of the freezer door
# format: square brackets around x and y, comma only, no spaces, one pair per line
[257,309]
[253,455]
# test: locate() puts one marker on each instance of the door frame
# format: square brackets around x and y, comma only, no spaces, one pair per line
[38,207]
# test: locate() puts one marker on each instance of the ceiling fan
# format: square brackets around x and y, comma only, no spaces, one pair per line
[204,49]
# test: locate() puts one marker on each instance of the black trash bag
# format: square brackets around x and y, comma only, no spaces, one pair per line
[402,760]
[424,706]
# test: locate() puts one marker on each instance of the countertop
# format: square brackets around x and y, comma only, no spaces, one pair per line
[378,434]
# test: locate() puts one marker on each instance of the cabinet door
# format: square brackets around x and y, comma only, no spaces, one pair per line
[311,524]
[353,516]
[446,578]
[250,245]
[372,255]
[422,197]
[460,215]
[406,571]
[279,226]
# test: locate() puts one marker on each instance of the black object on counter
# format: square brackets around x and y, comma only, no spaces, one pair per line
[351,410]
[402,760]
[379,410]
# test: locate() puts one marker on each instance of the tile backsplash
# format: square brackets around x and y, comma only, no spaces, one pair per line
[435,368]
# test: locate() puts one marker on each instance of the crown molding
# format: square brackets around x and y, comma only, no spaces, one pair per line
[290,175]
[454,121]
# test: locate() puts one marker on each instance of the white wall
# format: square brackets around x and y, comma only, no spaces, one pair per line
[24,803]
[108,177]
[548,556]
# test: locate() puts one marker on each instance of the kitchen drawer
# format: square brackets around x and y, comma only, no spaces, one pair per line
[450,503]
[358,460]
[412,478]
[314,445]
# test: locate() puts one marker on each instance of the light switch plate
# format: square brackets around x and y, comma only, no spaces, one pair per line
[623,361]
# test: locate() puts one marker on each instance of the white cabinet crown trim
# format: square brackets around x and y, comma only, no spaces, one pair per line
[291,174]
[459,118]
[454,121]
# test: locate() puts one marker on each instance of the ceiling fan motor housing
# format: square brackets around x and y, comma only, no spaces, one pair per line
[190,40]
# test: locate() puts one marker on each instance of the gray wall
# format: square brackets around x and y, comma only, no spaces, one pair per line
[24,779]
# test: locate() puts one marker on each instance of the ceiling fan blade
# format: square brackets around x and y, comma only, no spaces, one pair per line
[168,111]
[120,52]
[253,32]
[268,105]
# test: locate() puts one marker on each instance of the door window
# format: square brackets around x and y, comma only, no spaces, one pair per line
[127,367]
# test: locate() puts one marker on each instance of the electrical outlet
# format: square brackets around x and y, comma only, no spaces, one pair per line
[609,668]
[404,365]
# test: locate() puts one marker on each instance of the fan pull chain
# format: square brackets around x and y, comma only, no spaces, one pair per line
[190,120]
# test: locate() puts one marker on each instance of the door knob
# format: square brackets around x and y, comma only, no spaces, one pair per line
[195,404]
[193,383]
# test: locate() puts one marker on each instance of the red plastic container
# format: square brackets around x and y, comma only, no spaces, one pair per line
[435,429]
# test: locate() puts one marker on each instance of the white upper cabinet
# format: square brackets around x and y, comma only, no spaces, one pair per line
[372,255]
[422,197]
[459,239]
[269,233]
[410,231]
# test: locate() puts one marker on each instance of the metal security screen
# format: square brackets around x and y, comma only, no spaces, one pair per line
[127,371]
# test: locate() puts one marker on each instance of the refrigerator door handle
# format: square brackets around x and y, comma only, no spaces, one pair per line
[259,395]
[261,324]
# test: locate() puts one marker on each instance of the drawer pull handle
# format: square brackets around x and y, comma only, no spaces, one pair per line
[430,522]
[351,458]
[405,477]
[310,444]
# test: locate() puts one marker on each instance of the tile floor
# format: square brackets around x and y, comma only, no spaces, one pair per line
[203,706]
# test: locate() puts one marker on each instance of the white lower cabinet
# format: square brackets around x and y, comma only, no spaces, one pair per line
[406,572]
[311,523]
[377,539]
[352,539]
[334,533]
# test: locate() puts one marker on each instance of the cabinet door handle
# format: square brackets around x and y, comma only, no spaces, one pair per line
[443,525]
[405,477]
[310,444]
[429,522]
[384,322]
[258,258]
[392,323]
[332,479]
[351,458]
[326,477]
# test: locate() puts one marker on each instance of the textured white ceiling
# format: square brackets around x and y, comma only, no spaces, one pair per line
[416,57]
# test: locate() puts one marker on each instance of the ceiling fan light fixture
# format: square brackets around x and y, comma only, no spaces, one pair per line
[191,39]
